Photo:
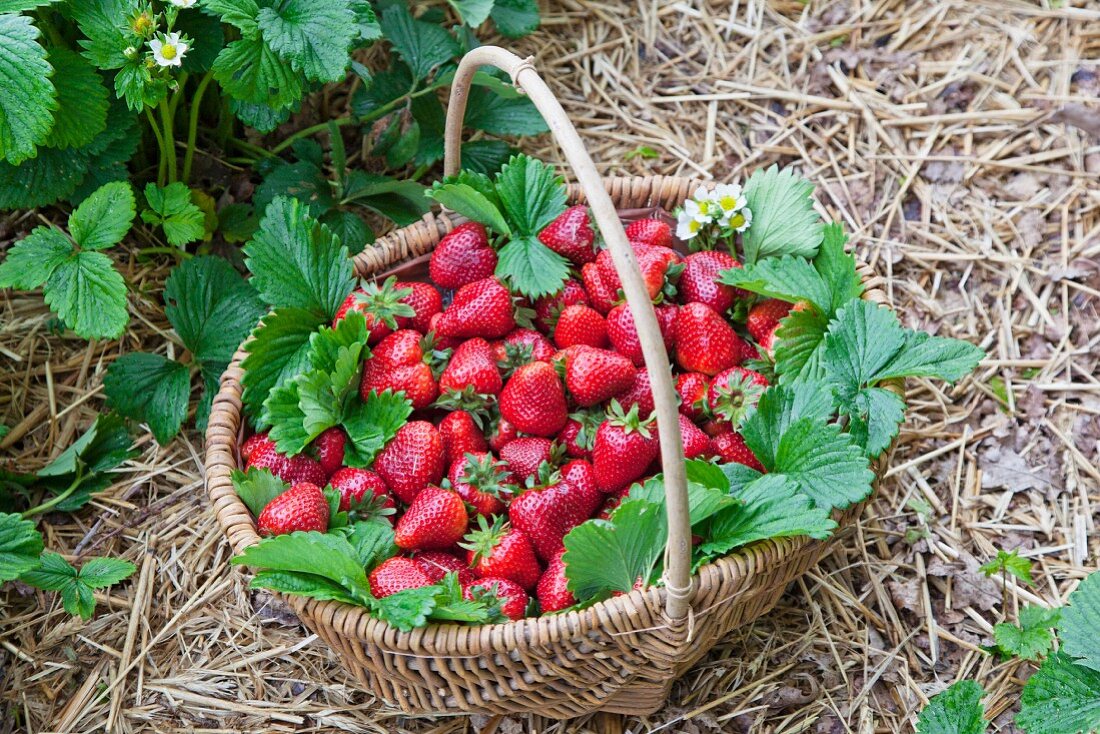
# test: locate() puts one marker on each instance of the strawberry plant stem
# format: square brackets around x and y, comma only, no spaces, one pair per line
[306,132]
[55,500]
[168,136]
[162,159]
[193,125]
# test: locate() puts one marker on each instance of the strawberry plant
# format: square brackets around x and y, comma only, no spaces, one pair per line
[544,464]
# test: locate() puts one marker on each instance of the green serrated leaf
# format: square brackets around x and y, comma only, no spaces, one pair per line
[277,352]
[81,98]
[407,609]
[105,23]
[89,295]
[789,278]
[958,710]
[531,268]
[799,351]
[1079,630]
[250,71]
[312,585]
[104,446]
[931,356]
[783,218]
[27,98]
[240,14]
[329,556]
[257,487]
[486,156]
[501,115]
[313,35]
[604,556]
[515,18]
[472,12]
[50,176]
[32,260]
[150,388]
[54,573]
[237,223]
[104,218]
[421,45]
[1031,638]
[102,572]
[372,541]
[20,546]
[296,262]
[470,203]
[1009,562]
[1061,698]
[875,416]
[372,423]
[531,194]
[837,267]
[207,40]
[171,208]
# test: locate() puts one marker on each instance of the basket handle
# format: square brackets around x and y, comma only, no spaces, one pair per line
[527,81]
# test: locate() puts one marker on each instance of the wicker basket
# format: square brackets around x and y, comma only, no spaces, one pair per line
[618,656]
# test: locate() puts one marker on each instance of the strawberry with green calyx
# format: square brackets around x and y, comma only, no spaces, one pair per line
[506,599]
[403,361]
[520,347]
[501,431]
[692,388]
[733,392]
[533,400]
[571,236]
[654,232]
[482,308]
[552,590]
[624,448]
[437,564]
[624,335]
[580,432]
[412,460]
[730,448]
[382,306]
[425,301]
[302,507]
[764,317]
[595,375]
[501,551]
[602,296]
[484,483]
[330,449]
[524,456]
[548,308]
[580,324]
[705,342]
[472,365]
[397,574]
[435,520]
[264,455]
[354,486]
[462,256]
[655,263]
[460,432]
[699,281]
[640,393]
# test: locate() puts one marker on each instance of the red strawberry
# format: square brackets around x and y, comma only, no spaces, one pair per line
[553,588]
[425,302]
[401,363]
[302,507]
[699,281]
[354,484]
[253,442]
[582,496]
[533,400]
[520,347]
[473,364]
[482,482]
[704,341]
[462,256]
[524,456]
[264,455]
[330,449]
[580,325]
[654,263]
[437,564]
[580,432]
[548,308]
[507,597]
[500,551]
[601,295]
[500,433]
[436,520]
[650,232]
[412,460]
[625,446]
[696,443]
[302,468]
[714,427]
[639,393]
[460,436]
[594,375]
[571,236]
[383,307]
[692,389]
[397,574]
[730,449]
[482,308]
[734,391]
[542,515]
[764,317]
[624,335]
[441,342]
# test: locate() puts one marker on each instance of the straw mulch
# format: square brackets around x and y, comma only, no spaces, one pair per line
[958,140]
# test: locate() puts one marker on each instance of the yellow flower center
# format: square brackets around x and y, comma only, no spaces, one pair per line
[737,221]
[703,206]
[694,226]
[142,24]
[168,51]
[728,203]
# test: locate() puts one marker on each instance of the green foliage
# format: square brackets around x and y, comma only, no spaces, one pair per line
[604,556]
[54,573]
[20,546]
[27,98]
[277,352]
[783,218]
[1063,697]
[1080,625]
[257,487]
[1009,562]
[171,208]
[149,388]
[80,284]
[1031,638]
[958,710]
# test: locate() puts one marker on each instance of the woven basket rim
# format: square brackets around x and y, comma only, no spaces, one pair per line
[240,530]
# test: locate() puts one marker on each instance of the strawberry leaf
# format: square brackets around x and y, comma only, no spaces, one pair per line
[421,45]
[313,35]
[104,218]
[20,546]
[257,487]
[1061,697]
[515,18]
[88,295]
[172,209]
[472,203]
[472,12]
[370,425]
[407,609]
[604,556]
[1079,630]
[789,278]
[152,389]
[451,606]
[1031,638]
[26,94]
[531,268]
[54,573]
[531,194]
[783,218]
[958,710]
[308,555]
[32,260]
[81,99]
[371,540]
[277,352]
[798,353]
[498,114]
[312,585]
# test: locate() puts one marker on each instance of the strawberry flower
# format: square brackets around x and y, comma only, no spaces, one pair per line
[183,3]
[168,49]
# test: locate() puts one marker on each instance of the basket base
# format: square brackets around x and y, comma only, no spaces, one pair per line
[638,699]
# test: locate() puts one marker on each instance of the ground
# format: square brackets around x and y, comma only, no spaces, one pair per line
[959,141]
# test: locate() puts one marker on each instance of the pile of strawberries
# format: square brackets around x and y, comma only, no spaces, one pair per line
[530,418]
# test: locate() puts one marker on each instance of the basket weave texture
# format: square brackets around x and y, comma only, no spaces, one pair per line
[619,656]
